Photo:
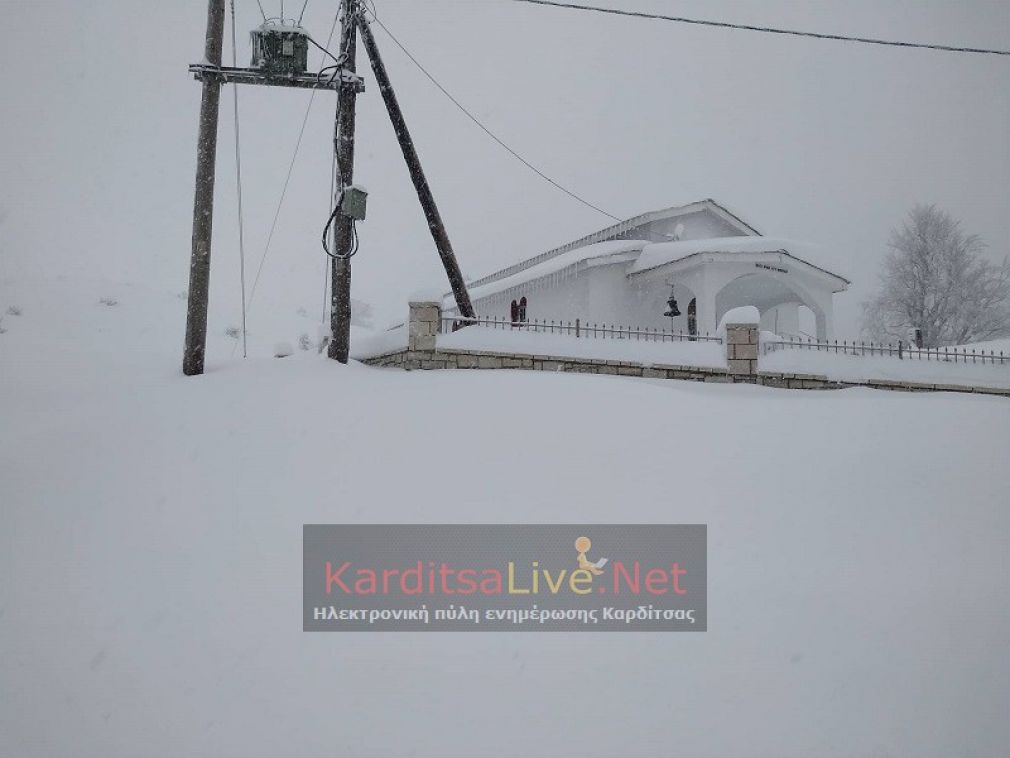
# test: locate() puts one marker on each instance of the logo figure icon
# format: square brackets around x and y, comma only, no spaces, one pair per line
[583,545]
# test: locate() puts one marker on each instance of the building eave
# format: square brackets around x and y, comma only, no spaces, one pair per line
[696,259]
[523,285]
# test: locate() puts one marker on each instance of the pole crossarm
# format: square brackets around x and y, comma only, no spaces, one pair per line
[230,75]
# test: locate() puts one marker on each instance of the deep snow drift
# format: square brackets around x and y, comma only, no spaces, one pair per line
[150,554]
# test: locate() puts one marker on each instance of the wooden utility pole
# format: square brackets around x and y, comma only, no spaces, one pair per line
[282,69]
[203,203]
[340,296]
[435,225]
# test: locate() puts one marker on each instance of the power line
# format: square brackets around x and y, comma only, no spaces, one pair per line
[488,132]
[238,185]
[768,29]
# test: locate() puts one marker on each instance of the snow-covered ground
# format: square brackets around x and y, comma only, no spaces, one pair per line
[995,346]
[150,554]
[862,368]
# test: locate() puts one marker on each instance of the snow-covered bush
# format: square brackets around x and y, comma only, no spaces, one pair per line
[14,310]
[109,301]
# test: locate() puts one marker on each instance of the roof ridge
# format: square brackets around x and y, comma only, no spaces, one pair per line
[602,235]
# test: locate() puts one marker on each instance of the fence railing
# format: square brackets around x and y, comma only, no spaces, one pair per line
[900,350]
[577,328]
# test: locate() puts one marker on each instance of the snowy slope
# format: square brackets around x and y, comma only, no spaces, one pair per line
[862,368]
[996,346]
[150,554]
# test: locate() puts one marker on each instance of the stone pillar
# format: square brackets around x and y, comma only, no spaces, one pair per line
[423,324]
[742,349]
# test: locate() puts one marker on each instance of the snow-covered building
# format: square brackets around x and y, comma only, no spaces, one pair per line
[709,260]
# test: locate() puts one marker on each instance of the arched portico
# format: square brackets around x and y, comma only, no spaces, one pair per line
[770,291]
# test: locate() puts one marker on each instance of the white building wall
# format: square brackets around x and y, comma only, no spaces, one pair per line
[696,226]
[564,298]
[597,294]
[605,294]
[616,299]
[782,319]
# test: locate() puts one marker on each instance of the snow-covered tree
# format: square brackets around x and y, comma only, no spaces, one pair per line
[938,279]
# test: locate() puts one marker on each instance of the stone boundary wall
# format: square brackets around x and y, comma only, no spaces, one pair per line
[424,360]
[413,360]
[423,354]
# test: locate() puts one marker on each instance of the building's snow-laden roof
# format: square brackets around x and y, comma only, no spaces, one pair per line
[661,253]
[557,263]
[647,254]
[623,228]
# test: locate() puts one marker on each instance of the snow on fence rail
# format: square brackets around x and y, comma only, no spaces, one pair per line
[900,350]
[577,328]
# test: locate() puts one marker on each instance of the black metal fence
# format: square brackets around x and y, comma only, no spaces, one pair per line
[900,350]
[577,328]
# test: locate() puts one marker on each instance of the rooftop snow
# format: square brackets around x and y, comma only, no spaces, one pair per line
[551,265]
[661,253]
[621,227]
[280,26]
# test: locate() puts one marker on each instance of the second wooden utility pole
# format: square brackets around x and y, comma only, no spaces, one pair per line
[340,296]
[434,218]
[203,201]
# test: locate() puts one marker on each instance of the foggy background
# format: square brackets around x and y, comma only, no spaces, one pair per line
[827,142]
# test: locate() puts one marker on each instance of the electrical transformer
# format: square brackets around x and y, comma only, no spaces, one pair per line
[279,49]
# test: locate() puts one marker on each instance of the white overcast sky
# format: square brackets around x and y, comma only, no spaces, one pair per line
[826,142]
